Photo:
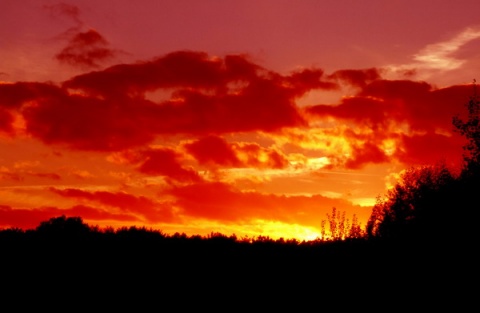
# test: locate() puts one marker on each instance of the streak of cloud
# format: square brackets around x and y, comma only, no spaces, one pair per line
[436,58]
[62,9]
[442,55]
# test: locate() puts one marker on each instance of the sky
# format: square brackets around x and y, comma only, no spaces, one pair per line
[253,118]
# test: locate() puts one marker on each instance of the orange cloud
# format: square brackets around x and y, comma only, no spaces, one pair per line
[254,155]
[214,150]
[51,176]
[218,201]
[31,218]
[6,121]
[407,112]
[7,174]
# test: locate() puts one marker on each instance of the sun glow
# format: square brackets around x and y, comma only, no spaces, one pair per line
[389,146]
[278,230]
[254,229]
[317,163]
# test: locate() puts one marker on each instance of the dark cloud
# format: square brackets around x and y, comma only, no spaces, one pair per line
[213,150]
[89,213]
[356,78]
[176,69]
[133,205]
[108,110]
[430,148]
[308,79]
[203,100]
[87,49]
[215,201]
[407,112]
[31,218]
[166,162]
[364,154]
[87,123]
[15,95]
[6,121]
[370,112]
[384,102]
[25,218]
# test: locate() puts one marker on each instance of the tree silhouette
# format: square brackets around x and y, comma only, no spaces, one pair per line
[470,129]
[63,228]
[340,227]
[419,205]
[430,202]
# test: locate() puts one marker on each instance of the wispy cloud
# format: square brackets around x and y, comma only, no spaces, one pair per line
[70,11]
[86,49]
[436,57]
[442,55]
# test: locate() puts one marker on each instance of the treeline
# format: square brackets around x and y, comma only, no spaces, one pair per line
[71,230]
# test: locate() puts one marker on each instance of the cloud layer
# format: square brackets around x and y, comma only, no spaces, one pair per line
[190,136]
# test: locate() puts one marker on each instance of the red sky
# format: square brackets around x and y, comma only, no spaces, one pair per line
[240,117]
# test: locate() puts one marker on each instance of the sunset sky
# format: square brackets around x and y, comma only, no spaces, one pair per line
[239,117]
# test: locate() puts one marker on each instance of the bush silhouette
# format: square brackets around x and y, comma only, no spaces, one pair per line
[340,227]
